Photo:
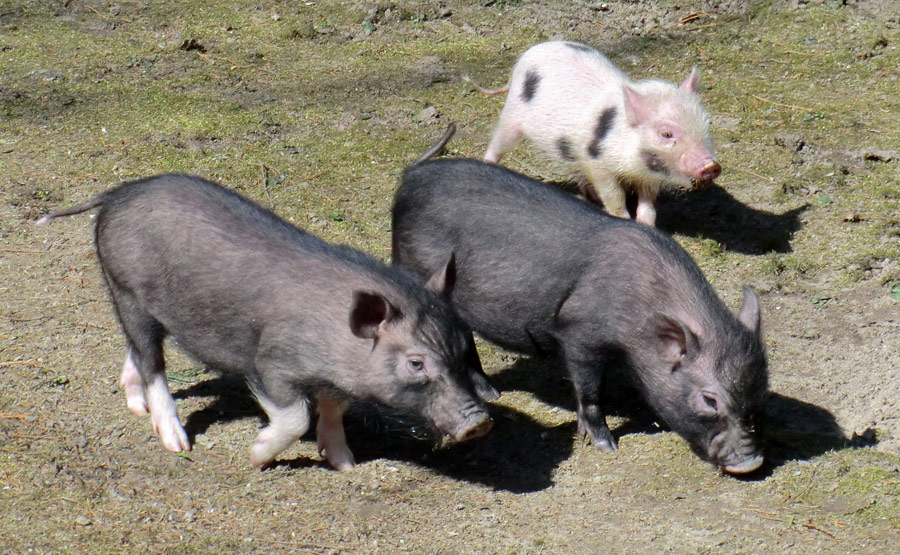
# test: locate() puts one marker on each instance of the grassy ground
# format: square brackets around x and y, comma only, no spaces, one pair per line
[313,109]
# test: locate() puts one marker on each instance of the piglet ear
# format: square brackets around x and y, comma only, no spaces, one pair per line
[368,312]
[749,315]
[692,83]
[674,340]
[637,107]
[441,283]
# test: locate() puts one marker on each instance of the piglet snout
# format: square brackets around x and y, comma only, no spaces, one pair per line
[478,428]
[709,171]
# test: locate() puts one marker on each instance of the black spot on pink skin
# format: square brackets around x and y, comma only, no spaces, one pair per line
[565,149]
[604,124]
[531,83]
[580,47]
[654,163]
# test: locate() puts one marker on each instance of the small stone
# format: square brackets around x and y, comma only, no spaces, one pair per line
[793,141]
[846,504]
[82,520]
[427,116]
[728,123]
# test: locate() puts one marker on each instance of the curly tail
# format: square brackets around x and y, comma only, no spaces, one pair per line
[93,203]
[483,90]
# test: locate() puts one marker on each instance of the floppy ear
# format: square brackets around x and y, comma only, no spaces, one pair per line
[692,83]
[441,283]
[749,315]
[368,312]
[674,339]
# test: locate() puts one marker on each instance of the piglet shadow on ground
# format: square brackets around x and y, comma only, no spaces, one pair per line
[519,455]
[792,429]
[713,213]
[796,430]
[545,378]
[231,400]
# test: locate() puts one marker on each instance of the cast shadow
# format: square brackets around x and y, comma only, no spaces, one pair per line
[797,431]
[792,429]
[231,400]
[712,212]
[545,378]
[519,454]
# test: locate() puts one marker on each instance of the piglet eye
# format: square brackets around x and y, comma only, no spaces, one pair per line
[416,365]
[711,402]
[666,134]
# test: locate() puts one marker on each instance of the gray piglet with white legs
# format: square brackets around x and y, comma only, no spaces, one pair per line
[540,272]
[245,291]
[614,132]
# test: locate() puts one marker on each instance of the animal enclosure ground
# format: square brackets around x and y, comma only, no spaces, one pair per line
[313,109]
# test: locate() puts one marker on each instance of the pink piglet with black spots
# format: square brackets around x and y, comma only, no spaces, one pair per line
[615,133]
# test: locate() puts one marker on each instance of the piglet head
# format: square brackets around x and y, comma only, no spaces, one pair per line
[419,360]
[710,387]
[674,131]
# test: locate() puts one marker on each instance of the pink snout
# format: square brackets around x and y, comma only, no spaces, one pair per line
[708,171]
[481,425]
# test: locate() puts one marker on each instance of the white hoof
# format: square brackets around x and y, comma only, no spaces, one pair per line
[171,433]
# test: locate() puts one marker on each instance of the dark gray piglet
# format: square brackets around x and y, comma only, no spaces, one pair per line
[539,271]
[244,291]
[614,132]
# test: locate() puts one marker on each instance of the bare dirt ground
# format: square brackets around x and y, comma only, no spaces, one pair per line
[314,108]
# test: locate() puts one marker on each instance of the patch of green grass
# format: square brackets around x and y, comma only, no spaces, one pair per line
[889,191]
[188,375]
[894,288]
[858,484]
[787,265]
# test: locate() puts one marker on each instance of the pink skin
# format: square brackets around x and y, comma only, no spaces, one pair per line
[680,150]
[330,438]
[134,387]
[699,166]
[286,425]
[155,399]
[617,134]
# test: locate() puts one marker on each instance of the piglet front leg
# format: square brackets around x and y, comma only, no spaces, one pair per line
[330,437]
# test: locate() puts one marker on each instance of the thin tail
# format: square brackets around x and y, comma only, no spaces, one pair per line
[483,90]
[93,203]
[438,147]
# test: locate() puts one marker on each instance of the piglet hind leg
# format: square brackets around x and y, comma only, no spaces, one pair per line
[286,425]
[508,134]
[483,387]
[133,386]
[152,392]
[330,437]
[144,372]
[164,416]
